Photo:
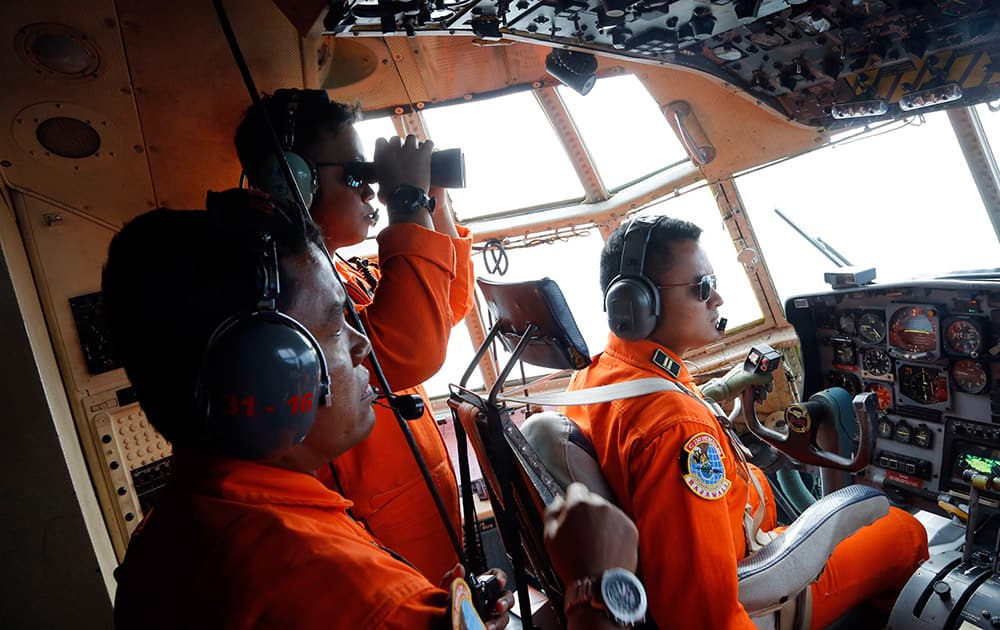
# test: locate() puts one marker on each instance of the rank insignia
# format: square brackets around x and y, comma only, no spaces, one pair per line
[705,473]
[668,365]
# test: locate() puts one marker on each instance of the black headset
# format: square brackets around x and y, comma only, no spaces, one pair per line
[632,301]
[271,178]
[263,375]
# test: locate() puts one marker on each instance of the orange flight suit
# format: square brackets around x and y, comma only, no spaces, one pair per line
[674,471]
[424,289]
[236,544]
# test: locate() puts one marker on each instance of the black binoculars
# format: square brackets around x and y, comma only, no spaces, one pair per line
[447,169]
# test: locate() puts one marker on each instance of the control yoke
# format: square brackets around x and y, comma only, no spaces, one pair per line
[804,418]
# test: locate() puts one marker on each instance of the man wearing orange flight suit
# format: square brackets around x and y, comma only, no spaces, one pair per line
[244,535]
[421,288]
[674,468]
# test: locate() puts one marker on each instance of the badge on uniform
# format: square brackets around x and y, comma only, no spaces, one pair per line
[663,360]
[704,471]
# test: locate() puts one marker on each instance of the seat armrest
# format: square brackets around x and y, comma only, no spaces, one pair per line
[796,558]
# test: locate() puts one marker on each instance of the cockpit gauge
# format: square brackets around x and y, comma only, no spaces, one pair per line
[825,317]
[876,362]
[848,324]
[768,39]
[884,394]
[885,428]
[963,336]
[844,352]
[970,376]
[903,433]
[923,384]
[913,330]
[871,326]
[848,381]
[923,436]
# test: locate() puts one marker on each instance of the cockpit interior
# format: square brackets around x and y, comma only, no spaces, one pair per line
[785,127]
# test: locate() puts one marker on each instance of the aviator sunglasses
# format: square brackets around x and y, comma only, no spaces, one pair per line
[356,173]
[705,286]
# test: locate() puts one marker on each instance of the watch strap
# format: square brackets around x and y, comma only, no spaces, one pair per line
[588,592]
[407,199]
[584,592]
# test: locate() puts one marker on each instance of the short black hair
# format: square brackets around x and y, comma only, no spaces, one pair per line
[313,112]
[172,276]
[659,253]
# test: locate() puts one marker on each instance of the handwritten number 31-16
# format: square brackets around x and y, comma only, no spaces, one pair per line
[233,405]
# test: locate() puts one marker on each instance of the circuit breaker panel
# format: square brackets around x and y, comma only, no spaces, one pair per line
[135,458]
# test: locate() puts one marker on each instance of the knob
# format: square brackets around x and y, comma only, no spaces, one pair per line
[620,37]
[943,590]
[702,24]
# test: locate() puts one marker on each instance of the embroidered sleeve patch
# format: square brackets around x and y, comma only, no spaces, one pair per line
[705,472]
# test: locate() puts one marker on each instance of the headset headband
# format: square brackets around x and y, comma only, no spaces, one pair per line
[639,230]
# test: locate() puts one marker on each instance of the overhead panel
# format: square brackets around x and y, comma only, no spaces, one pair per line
[829,63]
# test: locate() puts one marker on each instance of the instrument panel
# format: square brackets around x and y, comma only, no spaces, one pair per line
[930,351]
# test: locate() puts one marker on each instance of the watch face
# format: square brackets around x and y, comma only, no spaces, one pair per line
[623,596]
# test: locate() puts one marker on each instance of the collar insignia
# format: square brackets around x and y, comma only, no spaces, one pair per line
[663,360]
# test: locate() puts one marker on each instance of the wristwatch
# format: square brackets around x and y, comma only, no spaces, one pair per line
[617,592]
[407,199]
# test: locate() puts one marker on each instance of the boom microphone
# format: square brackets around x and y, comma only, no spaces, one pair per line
[410,406]
[721,324]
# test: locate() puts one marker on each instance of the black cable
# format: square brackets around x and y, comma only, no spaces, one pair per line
[497,262]
[362,266]
[303,216]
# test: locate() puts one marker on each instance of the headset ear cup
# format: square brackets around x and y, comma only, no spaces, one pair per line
[271,178]
[633,307]
[263,378]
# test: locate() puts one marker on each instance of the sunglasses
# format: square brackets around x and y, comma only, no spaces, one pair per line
[705,286]
[356,173]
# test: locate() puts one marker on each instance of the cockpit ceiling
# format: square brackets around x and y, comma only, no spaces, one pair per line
[822,63]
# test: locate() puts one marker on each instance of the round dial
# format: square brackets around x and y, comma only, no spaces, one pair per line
[970,376]
[876,362]
[847,324]
[871,327]
[885,428]
[846,380]
[884,394]
[923,437]
[727,52]
[768,39]
[914,329]
[844,353]
[903,433]
[964,337]
[925,385]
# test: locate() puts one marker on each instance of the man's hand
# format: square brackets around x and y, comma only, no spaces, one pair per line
[585,535]
[402,162]
[500,615]
[724,389]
